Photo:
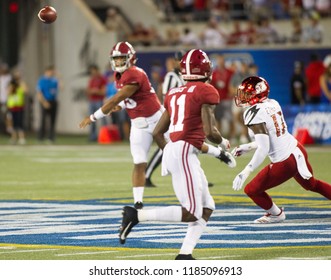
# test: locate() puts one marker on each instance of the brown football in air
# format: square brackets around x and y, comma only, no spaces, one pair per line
[47,14]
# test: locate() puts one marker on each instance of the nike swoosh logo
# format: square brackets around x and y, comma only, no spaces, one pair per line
[124,231]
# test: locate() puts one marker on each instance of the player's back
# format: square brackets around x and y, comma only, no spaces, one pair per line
[184,107]
[282,143]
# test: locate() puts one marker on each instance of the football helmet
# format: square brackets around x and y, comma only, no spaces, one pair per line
[195,65]
[252,90]
[125,51]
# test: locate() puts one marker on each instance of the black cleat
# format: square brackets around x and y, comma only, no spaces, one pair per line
[149,184]
[130,219]
[227,158]
[210,185]
[138,205]
[184,257]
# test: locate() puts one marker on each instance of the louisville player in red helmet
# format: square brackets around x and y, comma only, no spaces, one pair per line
[189,117]
[137,96]
[265,121]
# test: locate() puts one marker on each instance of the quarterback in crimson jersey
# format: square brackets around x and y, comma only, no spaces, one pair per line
[265,121]
[189,117]
[142,103]
[136,95]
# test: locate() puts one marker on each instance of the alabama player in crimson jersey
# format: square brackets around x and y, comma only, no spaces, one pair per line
[189,116]
[136,95]
[265,121]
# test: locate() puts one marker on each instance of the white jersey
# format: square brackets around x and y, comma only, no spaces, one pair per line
[282,143]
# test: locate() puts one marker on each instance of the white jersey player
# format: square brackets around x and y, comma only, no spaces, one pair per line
[266,124]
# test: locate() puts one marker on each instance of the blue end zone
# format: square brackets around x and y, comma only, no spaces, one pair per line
[95,223]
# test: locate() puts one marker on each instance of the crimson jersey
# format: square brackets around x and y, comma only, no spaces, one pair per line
[144,102]
[184,107]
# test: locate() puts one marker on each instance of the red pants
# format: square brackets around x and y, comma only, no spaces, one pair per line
[275,174]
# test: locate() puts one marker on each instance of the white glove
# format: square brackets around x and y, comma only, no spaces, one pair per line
[241,178]
[225,144]
[243,148]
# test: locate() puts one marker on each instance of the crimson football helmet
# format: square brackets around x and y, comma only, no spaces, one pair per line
[195,65]
[252,90]
[125,51]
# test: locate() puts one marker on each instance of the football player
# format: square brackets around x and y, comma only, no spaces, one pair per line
[189,117]
[137,96]
[265,121]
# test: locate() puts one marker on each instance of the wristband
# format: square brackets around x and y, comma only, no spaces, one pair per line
[92,118]
[212,150]
[98,114]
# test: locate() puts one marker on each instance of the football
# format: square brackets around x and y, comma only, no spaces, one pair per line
[47,14]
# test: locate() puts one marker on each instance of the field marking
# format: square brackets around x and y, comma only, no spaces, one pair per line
[27,251]
[86,253]
[139,256]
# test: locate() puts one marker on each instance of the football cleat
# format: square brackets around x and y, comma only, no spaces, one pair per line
[138,205]
[130,219]
[184,257]
[227,158]
[268,218]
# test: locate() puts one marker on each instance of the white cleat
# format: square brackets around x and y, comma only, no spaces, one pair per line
[269,219]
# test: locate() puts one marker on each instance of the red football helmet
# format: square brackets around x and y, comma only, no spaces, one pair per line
[195,65]
[252,90]
[125,51]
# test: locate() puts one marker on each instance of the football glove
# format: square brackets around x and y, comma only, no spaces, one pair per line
[225,144]
[240,179]
[243,149]
[227,158]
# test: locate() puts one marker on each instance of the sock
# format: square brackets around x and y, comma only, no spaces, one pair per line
[194,232]
[274,210]
[138,194]
[164,214]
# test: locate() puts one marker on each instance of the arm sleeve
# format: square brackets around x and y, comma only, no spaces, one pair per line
[263,145]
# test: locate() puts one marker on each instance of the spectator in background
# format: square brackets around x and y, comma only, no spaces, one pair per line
[172,36]
[313,33]
[15,105]
[219,9]
[156,78]
[189,39]
[115,22]
[237,36]
[313,72]
[96,92]
[323,7]
[221,77]
[47,95]
[266,33]
[241,72]
[325,83]
[298,84]
[140,35]
[297,31]
[212,36]
[5,79]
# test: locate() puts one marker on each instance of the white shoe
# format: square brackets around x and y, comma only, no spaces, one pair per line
[268,218]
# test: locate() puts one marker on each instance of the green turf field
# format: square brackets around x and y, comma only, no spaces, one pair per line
[66,172]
